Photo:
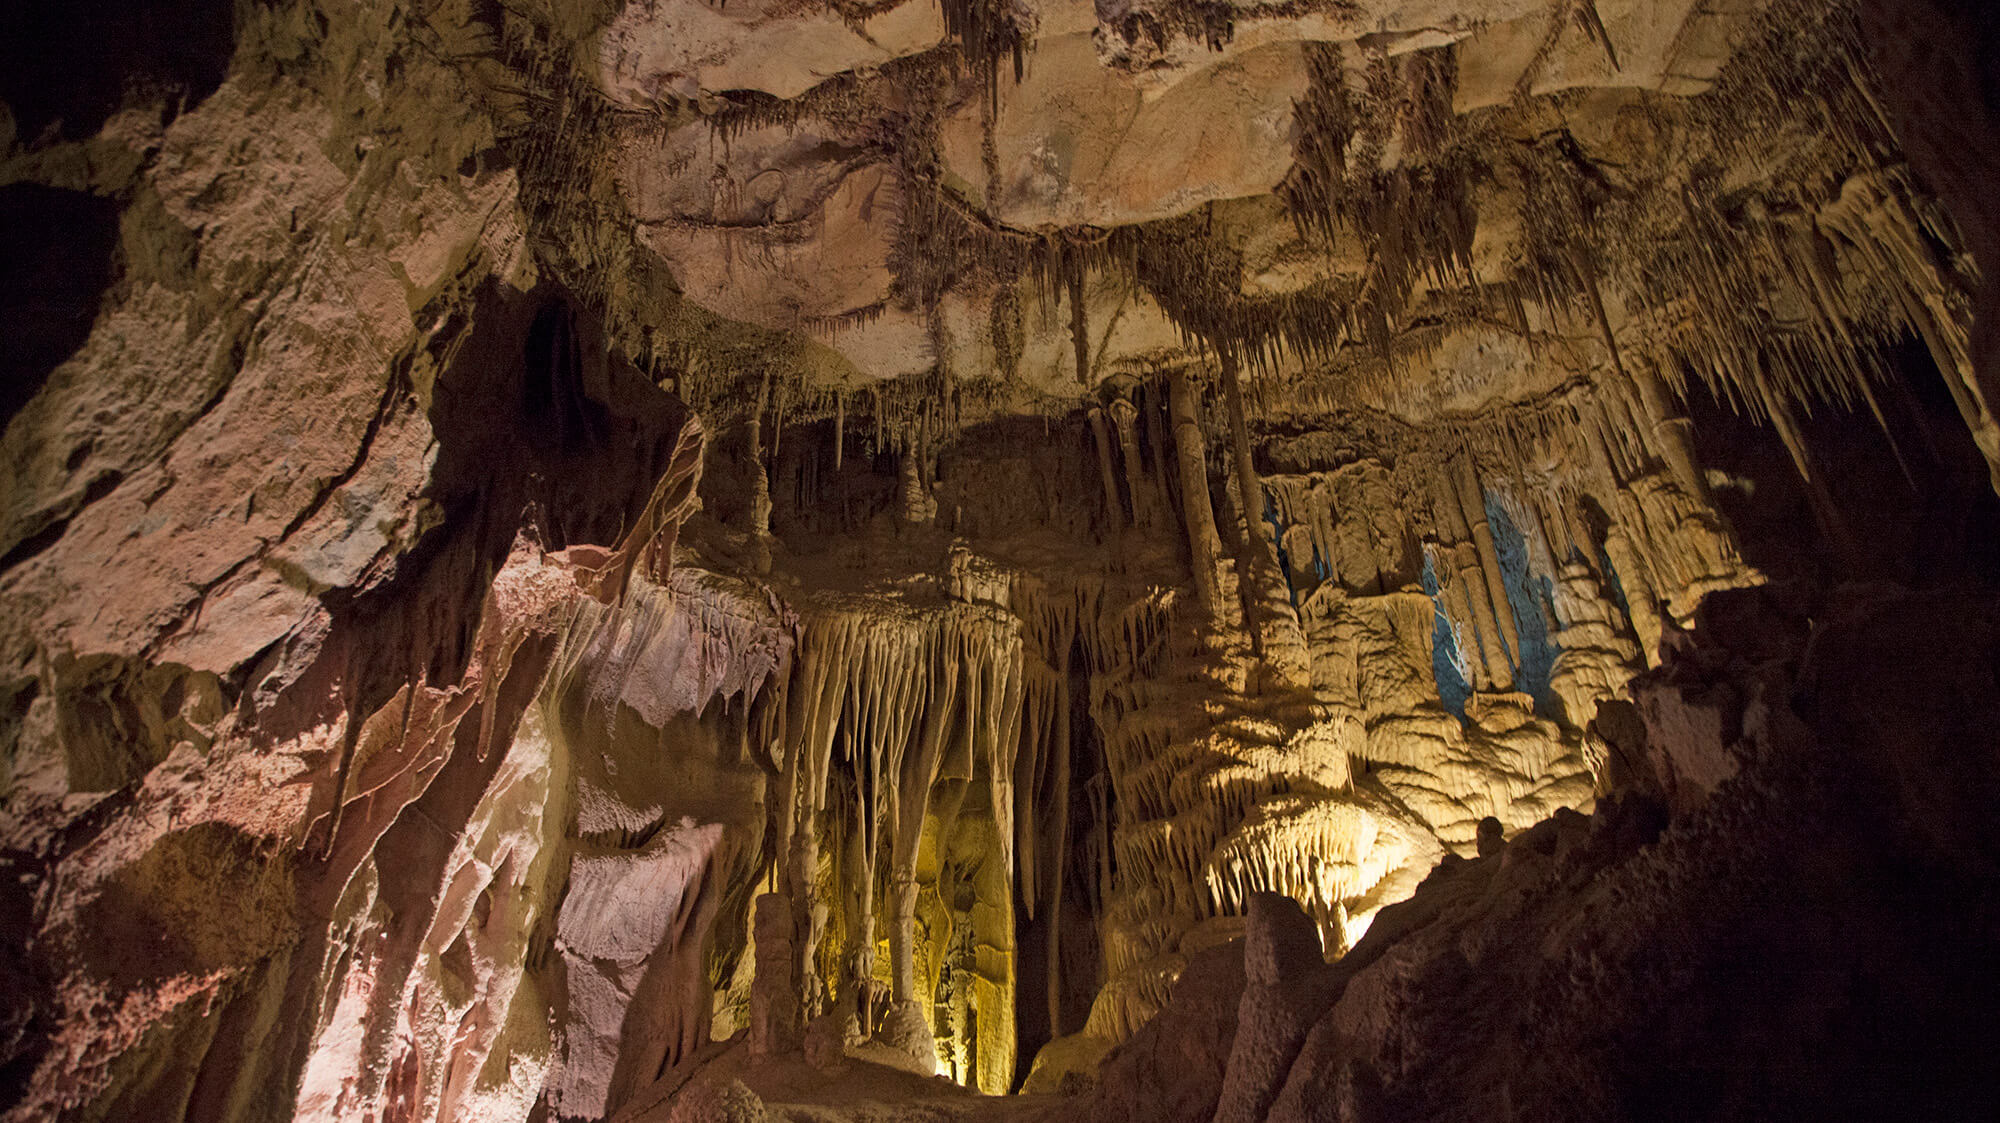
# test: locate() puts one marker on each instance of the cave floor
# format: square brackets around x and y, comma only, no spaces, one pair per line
[872,1086]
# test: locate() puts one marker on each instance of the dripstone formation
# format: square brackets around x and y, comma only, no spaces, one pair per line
[1153,560]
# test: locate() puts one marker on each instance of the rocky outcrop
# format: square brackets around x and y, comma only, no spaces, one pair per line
[291,546]
[1782,946]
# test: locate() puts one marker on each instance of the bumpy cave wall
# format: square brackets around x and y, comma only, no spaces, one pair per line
[621,561]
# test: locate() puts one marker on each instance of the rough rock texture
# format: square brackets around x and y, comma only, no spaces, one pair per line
[1804,941]
[655,561]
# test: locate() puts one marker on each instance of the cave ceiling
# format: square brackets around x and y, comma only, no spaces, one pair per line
[1365,203]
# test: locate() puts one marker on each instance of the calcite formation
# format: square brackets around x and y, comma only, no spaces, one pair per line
[1155,560]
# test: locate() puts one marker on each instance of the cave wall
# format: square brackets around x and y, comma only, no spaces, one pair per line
[1772,918]
[278,592]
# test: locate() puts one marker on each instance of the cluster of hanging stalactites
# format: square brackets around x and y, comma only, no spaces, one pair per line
[919,749]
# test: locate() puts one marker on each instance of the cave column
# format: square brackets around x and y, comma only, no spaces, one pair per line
[760,494]
[1469,590]
[1156,434]
[774,1001]
[1641,602]
[913,806]
[905,1025]
[1114,508]
[902,934]
[994,963]
[1059,851]
[1204,543]
[839,427]
[1275,622]
[1126,416]
[959,1032]
[1457,602]
[1541,546]
[1578,531]
[808,914]
[1673,432]
[918,505]
[1472,497]
[857,971]
[1479,603]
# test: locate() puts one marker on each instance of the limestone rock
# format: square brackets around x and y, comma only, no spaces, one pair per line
[653,561]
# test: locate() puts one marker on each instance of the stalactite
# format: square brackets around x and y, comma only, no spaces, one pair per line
[1875,215]
[900,702]
[1779,411]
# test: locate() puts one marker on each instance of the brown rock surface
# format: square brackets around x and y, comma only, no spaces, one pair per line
[1739,965]
[1390,559]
